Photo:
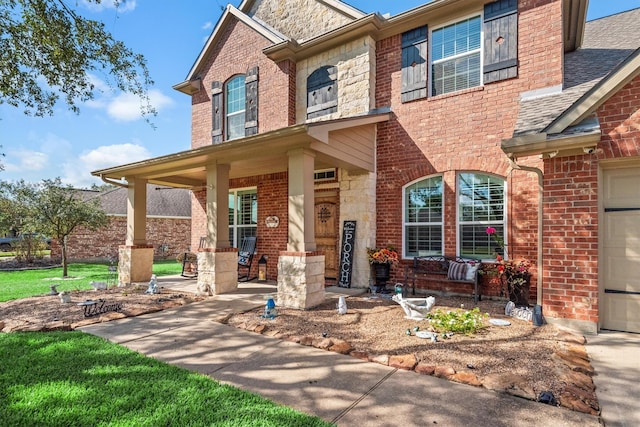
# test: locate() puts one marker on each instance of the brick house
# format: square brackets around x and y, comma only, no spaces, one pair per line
[168,225]
[424,128]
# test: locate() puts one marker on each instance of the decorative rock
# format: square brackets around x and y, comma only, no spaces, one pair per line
[272,333]
[295,338]
[509,383]
[425,369]
[341,346]
[306,340]
[578,351]
[466,378]
[382,359]
[403,361]
[578,379]
[569,336]
[260,328]
[58,325]
[323,343]
[574,363]
[1,325]
[363,355]
[573,401]
[65,297]
[444,371]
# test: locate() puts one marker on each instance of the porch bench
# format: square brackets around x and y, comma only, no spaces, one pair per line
[439,268]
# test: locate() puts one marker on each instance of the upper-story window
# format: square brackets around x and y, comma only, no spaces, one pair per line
[234,111]
[470,52]
[455,56]
[423,217]
[322,92]
[481,204]
[235,107]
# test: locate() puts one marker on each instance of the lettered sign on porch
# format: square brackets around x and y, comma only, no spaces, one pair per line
[346,253]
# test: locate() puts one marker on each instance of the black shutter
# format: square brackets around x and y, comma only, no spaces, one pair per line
[251,105]
[500,40]
[414,64]
[322,92]
[217,112]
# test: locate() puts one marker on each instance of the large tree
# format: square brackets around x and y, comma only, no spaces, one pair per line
[53,209]
[48,51]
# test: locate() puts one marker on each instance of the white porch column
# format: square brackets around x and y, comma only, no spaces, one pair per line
[217,262]
[135,262]
[300,269]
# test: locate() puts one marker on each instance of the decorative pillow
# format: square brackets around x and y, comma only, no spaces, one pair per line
[457,271]
[472,267]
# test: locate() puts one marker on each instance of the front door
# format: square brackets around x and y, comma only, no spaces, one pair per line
[621,250]
[326,229]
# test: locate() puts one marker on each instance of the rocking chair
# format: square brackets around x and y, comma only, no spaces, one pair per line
[245,257]
[190,262]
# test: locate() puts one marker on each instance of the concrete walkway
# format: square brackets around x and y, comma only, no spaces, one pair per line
[615,356]
[335,387]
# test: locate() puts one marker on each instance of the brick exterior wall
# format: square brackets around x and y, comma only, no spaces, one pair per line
[272,192]
[87,245]
[462,131]
[571,210]
[239,49]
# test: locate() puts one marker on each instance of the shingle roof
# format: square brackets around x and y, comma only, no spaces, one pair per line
[607,42]
[161,201]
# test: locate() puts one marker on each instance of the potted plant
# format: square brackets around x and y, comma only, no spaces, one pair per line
[514,275]
[382,259]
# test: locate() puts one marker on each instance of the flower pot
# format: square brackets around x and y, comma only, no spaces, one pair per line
[382,274]
[517,287]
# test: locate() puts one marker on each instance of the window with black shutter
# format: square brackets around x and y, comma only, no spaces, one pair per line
[322,92]
[414,64]
[500,40]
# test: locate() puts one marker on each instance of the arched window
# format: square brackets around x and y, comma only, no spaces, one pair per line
[423,217]
[235,108]
[322,92]
[481,204]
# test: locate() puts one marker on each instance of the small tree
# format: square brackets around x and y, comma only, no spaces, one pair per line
[61,209]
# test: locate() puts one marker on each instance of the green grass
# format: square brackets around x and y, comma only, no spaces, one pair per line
[27,283]
[76,379]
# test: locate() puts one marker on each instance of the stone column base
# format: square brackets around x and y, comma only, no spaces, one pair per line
[217,271]
[135,264]
[300,279]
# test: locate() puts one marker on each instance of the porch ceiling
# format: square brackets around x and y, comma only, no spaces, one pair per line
[346,143]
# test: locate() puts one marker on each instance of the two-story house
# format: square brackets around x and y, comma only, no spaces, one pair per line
[424,128]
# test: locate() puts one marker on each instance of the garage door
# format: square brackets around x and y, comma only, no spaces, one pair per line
[621,250]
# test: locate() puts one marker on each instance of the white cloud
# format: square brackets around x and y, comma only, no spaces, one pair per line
[25,160]
[78,171]
[126,106]
[207,25]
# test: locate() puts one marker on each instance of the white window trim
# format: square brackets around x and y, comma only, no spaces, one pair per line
[404,219]
[505,237]
[227,115]
[235,192]
[430,52]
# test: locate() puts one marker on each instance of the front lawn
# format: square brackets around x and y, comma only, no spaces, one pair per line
[76,379]
[27,283]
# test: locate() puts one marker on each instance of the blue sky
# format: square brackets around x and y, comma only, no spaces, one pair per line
[109,130]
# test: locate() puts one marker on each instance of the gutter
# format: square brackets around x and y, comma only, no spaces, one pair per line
[116,183]
[538,172]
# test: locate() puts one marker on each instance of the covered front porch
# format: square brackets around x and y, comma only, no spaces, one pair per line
[294,152]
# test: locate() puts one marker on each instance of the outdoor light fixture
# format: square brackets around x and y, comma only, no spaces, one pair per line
[262,269]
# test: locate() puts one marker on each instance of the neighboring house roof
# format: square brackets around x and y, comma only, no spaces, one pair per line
[606,44]
[161,201]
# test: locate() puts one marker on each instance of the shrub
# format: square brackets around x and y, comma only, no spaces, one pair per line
[458,321]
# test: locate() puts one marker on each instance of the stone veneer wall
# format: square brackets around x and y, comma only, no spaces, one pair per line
[358,202]
[300,280]
[300,19]
[356,78]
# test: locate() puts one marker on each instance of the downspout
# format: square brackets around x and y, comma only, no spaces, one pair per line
[538,172]
[116,183]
